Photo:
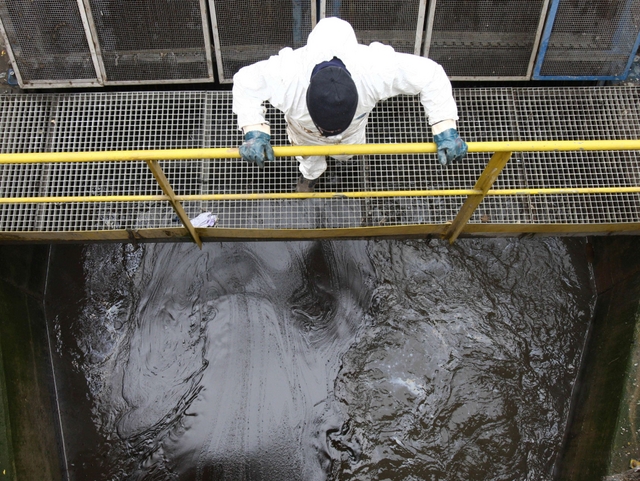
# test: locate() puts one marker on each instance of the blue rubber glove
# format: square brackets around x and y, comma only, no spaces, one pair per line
[450,146]
[257,148]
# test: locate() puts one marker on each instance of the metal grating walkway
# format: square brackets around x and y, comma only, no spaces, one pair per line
[73,122]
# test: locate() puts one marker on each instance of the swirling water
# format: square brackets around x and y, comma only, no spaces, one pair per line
[372,359]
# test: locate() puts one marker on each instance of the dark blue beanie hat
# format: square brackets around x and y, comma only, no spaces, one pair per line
[332,97]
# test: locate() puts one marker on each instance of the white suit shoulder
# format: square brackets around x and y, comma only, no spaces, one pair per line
[267,80]
[377,69]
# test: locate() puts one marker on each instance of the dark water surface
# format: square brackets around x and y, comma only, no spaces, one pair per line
[371,360]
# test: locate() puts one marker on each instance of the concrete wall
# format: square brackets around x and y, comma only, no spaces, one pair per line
[604,434]
[28,417]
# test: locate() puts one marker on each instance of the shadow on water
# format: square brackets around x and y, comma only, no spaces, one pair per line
[317,360]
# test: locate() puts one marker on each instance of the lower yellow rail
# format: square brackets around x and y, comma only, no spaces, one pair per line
[318,195]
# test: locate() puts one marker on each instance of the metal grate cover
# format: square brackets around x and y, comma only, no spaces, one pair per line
[594,39]
[152,42]
[485,39]
[247,31]
[48,43]
[157,120]
[397,23]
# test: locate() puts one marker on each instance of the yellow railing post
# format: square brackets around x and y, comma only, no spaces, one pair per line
[168,190]
[484,183]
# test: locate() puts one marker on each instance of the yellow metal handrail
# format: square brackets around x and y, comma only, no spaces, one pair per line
[309,150]
[502,153]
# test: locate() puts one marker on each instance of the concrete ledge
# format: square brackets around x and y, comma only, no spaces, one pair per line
[603,433]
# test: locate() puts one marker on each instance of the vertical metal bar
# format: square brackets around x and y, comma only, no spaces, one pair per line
[544,43]
[536,42]
[429,28]
[166,188]
[207,41]
[12,58]
[636,47]
[216,43]
[422,6]
[86,15]
[484,183]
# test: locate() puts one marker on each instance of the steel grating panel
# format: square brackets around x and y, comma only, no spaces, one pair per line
[491,115]
[164,41]
[485,39]
[159,120]
[153,120]
[589,40]
[246,31]
[581,114]
[397,23]
[24,127]
[48,43]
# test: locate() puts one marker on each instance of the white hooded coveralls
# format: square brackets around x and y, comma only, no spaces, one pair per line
[378,71]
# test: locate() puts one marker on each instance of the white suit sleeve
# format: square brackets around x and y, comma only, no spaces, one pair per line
[255,84]
[413,75]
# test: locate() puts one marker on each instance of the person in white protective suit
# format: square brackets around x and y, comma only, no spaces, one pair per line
[327,90]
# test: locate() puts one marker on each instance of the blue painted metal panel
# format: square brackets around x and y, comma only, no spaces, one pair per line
[627,28]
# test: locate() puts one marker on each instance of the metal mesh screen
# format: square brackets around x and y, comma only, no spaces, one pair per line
[246,31]
[156,120]
[393,23]
[48,41]
[163,40]
[593,38]
[484,38]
